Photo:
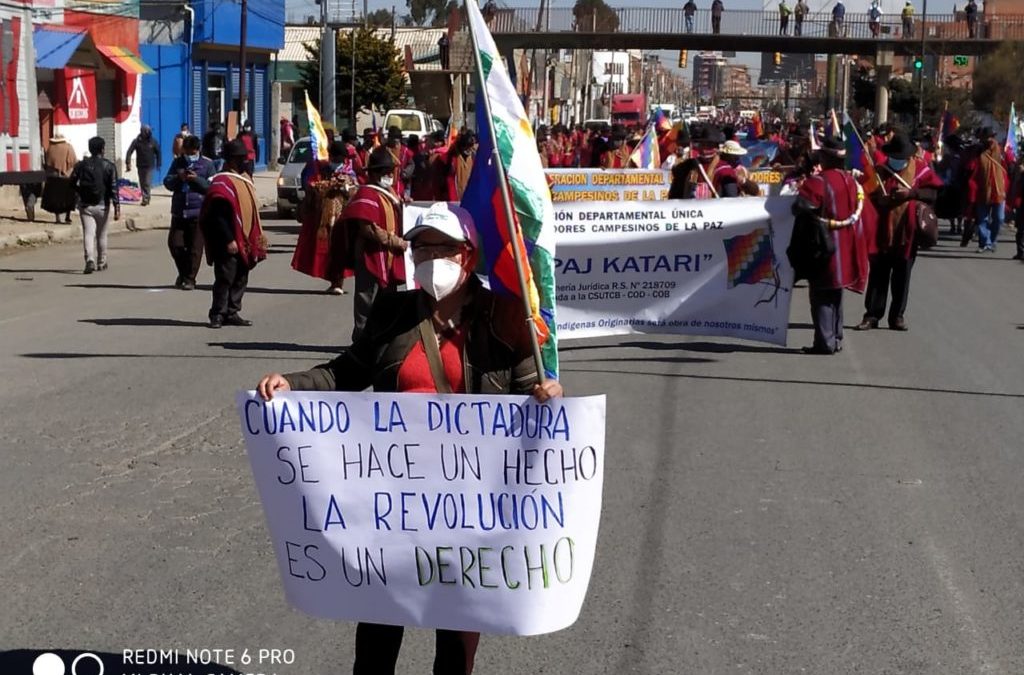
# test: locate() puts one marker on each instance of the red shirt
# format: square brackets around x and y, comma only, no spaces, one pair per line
[414,373]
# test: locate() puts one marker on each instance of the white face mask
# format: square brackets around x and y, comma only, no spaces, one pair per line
[387,182]
[439,277]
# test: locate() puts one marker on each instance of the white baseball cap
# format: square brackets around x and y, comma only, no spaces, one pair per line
[451,220]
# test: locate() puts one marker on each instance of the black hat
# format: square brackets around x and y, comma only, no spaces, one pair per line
[953,141]
[883,129]
[414,139]
[394,132]
[899,147]
[381,160]
[833,146]
[348,135]
[714,136]
[336,148]
[235,149]
[985,133]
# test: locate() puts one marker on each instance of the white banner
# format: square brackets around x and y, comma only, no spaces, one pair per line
[708,267]
[442,511]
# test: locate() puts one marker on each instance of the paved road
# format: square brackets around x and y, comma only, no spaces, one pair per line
[764,511]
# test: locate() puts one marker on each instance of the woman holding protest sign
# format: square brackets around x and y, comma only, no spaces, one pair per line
[451,336]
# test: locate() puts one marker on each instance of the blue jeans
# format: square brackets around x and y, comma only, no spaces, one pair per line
[990,220]
[689,24]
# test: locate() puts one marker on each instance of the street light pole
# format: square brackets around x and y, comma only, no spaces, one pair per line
[924,36]
[241,61]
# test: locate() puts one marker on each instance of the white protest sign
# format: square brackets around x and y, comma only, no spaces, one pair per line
[707,267]
[443,511]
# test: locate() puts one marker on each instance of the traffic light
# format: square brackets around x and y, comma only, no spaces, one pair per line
[778,58]
[918,62]
[682,58]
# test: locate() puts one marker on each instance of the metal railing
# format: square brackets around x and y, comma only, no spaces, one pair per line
[752,23]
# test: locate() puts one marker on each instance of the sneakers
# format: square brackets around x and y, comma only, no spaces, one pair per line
[187,285]
[336,290]
[90,267]
[102,266]
[235,320]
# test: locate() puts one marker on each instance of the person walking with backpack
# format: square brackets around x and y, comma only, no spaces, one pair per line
[147,158]
[875,19]
[95,181]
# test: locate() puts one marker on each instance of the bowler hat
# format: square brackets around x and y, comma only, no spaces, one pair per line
[380,160]
[235,149]
[899,147]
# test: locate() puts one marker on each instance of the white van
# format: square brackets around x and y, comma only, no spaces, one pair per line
[411,122]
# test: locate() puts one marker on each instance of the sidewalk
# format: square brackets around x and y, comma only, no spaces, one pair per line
[17,232]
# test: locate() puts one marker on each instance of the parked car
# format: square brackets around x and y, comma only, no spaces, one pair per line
[289,181]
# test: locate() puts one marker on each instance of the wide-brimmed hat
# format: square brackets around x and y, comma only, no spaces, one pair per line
[732,148]
[899,147]
[451,220]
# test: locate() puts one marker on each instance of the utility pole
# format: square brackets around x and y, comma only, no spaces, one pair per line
[924,34]
[329,68]
[243,67]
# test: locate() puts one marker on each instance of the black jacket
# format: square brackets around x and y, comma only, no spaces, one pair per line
[147,152]
[107,191]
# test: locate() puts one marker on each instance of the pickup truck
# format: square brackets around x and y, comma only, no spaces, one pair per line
[412,122]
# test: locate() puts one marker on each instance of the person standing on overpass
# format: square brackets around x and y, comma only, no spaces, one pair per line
[838,17]
[784,12]
[689,9]
[800,11]
[717,7]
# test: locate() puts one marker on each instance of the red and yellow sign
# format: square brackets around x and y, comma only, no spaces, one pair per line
[75,90]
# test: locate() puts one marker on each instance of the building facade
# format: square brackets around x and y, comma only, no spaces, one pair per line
[87,74]
[194,49]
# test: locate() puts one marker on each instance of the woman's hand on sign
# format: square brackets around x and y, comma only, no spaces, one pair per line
[547,389]
[270,384]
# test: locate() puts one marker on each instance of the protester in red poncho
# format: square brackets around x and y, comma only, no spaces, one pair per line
[374,221]
[907,182]
[230,222]
[832,203]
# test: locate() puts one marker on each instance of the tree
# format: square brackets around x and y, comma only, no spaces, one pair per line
[431,12]
[380,81]
[594,16]
[997,83]
[380,18]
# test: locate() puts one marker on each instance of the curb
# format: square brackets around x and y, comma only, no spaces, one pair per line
[59,234]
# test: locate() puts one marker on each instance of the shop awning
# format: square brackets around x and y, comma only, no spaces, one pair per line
[125,59]
[54,46]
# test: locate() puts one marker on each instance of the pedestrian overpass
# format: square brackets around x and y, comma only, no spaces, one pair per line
[746,31]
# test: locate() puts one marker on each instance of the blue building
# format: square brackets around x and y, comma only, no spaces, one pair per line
[193,48]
